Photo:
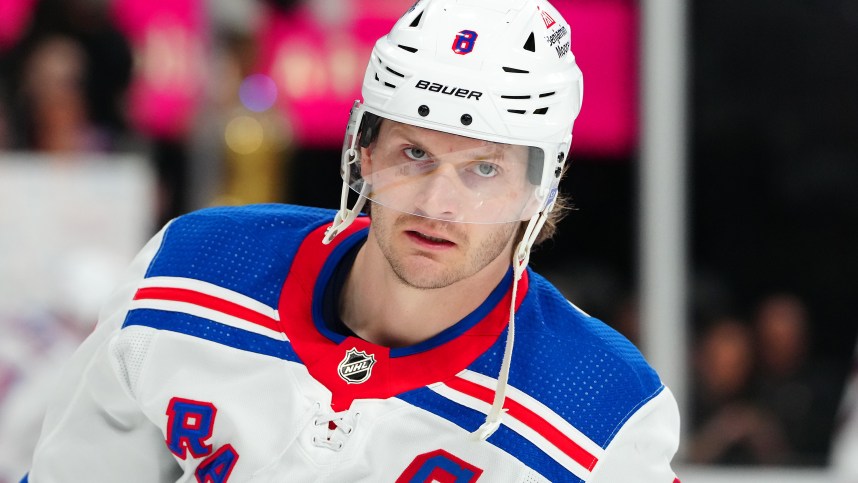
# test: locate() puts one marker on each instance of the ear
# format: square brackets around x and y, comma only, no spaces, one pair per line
[366,161]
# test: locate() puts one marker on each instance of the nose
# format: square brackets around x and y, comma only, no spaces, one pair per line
[441,194]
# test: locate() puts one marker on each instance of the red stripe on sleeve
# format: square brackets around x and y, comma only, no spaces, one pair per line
[207,301]
[529,418]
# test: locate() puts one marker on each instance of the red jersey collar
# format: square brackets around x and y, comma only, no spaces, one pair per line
[352,368]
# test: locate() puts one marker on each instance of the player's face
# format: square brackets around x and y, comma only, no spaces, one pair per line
[431,252]
[426,253]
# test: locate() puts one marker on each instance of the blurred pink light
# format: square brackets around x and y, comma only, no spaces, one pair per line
[14,19]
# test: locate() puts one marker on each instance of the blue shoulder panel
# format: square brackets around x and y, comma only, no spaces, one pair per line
[246,249]
[575,364]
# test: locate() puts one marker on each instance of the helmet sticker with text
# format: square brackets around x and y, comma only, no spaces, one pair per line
[464,42]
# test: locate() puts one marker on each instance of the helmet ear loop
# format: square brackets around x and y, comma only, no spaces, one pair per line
[366,125]
[345,216]
[521,256]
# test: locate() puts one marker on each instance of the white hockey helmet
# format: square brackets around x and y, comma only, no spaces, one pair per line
[498,71]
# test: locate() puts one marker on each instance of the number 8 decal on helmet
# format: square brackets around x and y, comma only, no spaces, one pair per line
[464,42]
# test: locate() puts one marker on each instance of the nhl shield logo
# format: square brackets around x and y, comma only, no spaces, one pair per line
[356,366]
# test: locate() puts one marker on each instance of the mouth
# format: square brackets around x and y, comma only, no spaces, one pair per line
[427,240]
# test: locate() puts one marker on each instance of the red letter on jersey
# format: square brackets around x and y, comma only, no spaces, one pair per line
[440,466]
[217,467]
[189,426]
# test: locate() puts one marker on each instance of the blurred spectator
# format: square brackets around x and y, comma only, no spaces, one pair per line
[65,79]
[52,92]
[781,325]
[800,391]
[728,427]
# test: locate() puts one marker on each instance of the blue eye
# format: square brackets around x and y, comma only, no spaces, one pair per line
[486,170]
[416,154]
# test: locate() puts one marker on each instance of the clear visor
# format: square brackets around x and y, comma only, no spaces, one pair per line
[443,176]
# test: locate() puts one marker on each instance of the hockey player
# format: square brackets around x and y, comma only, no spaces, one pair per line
[267,344]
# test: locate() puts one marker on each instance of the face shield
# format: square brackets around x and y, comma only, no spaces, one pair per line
[439,175]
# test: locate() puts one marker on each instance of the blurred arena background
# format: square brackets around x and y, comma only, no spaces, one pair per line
[715,167]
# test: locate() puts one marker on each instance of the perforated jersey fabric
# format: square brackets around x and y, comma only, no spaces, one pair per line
[129,352]
[213,363]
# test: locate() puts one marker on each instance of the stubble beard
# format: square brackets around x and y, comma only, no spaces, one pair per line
[433,274]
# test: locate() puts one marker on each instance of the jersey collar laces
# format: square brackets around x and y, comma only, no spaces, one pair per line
[336,426]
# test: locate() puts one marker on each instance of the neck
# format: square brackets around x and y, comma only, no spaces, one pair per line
[380,308]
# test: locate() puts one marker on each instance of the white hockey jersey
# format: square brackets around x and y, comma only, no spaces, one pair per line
[215,363]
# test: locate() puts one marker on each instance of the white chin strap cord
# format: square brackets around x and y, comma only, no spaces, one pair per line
[519,263]
[346,216]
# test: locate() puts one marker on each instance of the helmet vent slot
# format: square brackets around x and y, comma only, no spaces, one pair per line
[515,97]
[530,43]
[388,84]
[409,49]
[546,94]
[513,70]
[516,111]
[416,20]
[394,72]
[542,110]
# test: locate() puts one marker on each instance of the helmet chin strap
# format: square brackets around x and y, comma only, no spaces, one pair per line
[521,257]
[346,216]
